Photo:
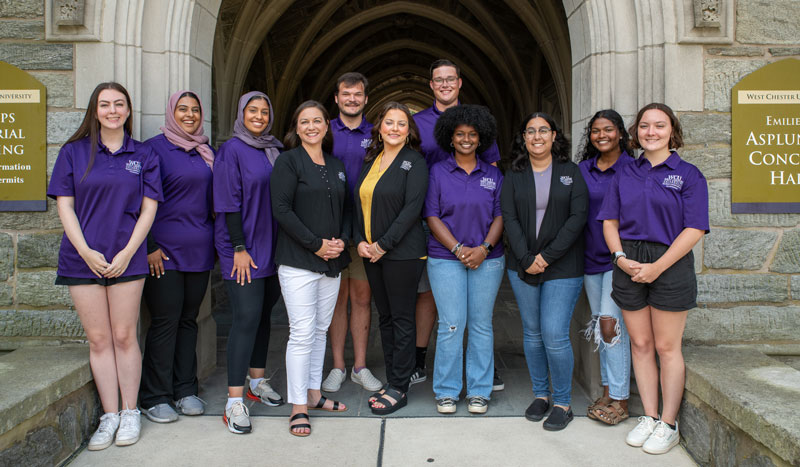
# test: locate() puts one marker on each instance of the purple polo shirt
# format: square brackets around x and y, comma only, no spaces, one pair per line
[350,147]
[241,184]
[184,228]
[107,201]
[426,121]
[657,203]
[597,259]
[466,203]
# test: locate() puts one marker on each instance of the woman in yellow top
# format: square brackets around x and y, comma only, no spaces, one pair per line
[389,197]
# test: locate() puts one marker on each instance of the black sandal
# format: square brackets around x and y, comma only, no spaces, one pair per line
[388,407]
[299,425]
[377,395]
[321,406]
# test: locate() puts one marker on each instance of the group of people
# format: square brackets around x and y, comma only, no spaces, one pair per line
[410,212]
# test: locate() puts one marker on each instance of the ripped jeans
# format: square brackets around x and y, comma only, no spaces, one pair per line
[465,299]
[615,357]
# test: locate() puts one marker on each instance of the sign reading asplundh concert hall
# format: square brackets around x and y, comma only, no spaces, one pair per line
[23,141]
[765,140]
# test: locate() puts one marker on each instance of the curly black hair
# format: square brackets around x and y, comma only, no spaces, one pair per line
[476,116]
[588,150]
[519,152]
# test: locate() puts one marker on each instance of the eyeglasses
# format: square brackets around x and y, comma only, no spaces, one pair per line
[531,132]
[448,80]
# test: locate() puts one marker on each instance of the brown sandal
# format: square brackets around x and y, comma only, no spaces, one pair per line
[612,413]
[599,402]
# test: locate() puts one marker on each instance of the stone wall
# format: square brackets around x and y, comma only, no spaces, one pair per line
[748,262]
[31,306]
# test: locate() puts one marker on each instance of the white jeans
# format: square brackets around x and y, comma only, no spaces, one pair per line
[310,298]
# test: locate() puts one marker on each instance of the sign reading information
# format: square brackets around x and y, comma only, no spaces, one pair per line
[23,141]
[765,140]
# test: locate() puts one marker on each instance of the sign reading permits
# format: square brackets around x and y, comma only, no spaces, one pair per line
[23,141]
[765,140]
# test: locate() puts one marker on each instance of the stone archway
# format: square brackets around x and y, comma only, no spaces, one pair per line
[569,58]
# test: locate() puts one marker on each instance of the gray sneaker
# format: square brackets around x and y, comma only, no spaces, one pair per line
[104,436]
[161,413]
[190,405]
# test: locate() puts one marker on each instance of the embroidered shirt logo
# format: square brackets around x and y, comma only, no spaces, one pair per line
[406,165]
[566,180]
[673,181]
[342,177]
[134,167]
[366,142]
[488,183]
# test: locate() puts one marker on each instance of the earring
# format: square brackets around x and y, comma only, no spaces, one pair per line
[451,144]
[408,139]
[380,138]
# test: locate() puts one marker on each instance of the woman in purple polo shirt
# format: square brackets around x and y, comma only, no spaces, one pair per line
[544,202]
[107,187]
[605,152]
[655,211]
[244,235]
[181,241]
[465,255]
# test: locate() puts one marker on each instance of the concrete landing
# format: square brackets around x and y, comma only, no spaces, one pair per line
[340,441]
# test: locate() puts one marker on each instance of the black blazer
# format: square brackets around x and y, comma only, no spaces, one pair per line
[396,217]
[308,209]
[560,239]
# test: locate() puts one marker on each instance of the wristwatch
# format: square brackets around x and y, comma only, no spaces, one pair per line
[617,255]
[239,248]
[488,246]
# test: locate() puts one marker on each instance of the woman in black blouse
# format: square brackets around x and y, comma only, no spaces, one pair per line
[389,197]
[544,203]
[308,200]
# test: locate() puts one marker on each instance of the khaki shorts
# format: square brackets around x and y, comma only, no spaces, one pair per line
[355,270]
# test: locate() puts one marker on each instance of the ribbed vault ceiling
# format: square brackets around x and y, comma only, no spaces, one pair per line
[514,55]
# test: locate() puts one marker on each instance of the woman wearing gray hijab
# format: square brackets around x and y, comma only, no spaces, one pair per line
[245,234]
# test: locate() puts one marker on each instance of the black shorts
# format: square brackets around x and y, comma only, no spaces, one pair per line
[105,282]
[674,290]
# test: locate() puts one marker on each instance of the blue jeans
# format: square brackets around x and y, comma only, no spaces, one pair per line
[465,299]
[615,357]
[546,311]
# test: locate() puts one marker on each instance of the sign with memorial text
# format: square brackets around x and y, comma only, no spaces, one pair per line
[765,140]
[23,141]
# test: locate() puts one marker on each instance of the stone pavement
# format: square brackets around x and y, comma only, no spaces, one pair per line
[372,441]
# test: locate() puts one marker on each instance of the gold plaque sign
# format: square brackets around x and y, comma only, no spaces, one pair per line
[23,141]
[765,140]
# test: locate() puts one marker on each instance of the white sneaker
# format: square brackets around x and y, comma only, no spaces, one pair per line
[104,436]
[366,379]
[265,394]
[130,425]
[237,417]
[663,439]
[641,432]
[334,380]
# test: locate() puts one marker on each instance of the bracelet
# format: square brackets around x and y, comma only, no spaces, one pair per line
[485,251]
[378,249]
[455,248]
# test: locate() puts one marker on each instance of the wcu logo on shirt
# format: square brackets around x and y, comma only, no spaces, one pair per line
[342,177]
[366,142]
[673,181]
[134,167]
[566,180]
[406,165]
[488,183]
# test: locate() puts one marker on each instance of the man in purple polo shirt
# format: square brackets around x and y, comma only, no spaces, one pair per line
[351,138]
[445,84]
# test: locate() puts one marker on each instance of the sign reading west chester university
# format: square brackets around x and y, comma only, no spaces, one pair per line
[765,140]
[23,141]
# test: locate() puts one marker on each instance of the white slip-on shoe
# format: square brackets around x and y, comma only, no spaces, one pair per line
[366,379]
[334,380]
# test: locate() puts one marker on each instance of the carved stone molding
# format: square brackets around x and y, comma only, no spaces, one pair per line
[706,14]
[73,20]
[705,21]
